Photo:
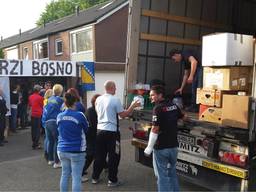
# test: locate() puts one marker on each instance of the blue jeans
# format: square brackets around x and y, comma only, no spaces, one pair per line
[164,163]
[46,142]
[72,164]
[52,137]
[197,83]
[13,122]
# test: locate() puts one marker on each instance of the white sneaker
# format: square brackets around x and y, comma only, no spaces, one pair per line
[50,163]
[57,165]
[95,181]
[84,179]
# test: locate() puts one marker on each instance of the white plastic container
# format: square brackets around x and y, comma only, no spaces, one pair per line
[227,49]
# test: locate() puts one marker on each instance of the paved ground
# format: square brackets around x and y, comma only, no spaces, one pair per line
[24,169]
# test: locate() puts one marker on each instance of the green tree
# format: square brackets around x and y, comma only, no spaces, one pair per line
[61,8]
[1,54]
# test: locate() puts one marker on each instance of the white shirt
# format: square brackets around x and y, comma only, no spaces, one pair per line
[107,107]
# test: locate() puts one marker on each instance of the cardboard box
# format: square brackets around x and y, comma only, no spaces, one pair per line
[235,111]
[227,78]
[227,49]
[210,114]
[211,97]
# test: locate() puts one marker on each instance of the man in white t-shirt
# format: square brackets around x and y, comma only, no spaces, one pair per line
[108,108]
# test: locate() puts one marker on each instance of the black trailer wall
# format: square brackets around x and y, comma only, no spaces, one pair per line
[168,24]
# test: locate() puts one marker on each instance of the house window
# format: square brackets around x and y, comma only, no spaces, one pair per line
[81,40]
[40,49]
[25,53]
[58,47]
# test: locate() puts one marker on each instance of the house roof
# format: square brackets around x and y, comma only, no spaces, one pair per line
[84,17]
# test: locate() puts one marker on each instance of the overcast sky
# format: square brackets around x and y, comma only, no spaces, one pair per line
[19,14]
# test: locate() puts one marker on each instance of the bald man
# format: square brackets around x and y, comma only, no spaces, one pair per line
[108,108]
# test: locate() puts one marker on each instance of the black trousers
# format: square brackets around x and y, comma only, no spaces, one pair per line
[23,115]
[90,154]
[2,127]
[107,143]
[35,130]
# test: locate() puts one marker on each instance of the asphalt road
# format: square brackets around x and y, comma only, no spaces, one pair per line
[24,169]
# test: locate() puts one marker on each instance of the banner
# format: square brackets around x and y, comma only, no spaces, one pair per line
[88,76]
[37,68]
[5,86]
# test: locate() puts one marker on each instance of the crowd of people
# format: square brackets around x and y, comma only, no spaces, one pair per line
[74,138]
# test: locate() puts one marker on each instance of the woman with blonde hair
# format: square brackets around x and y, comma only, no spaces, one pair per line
[47,95]
[51,111]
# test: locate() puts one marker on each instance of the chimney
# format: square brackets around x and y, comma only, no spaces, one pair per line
[1,38]
[20,32]
[44,23]
[77,10]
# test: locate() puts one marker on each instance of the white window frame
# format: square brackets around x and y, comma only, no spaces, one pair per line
[23,52]
[41,41]
[56,47]
[87,28]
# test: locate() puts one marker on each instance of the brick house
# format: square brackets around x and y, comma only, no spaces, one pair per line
[96,34]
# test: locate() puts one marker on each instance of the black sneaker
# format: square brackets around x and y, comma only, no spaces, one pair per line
[46,156]
[114,184]
[36,147]
[1,144]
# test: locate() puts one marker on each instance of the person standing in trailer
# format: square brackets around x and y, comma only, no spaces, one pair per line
[193,73]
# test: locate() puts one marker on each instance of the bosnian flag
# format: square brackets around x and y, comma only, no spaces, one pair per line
[88,76]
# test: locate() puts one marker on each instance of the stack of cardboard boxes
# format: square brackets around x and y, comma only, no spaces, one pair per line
[227,61]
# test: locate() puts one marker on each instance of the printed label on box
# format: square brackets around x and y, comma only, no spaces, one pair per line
[242,81]
[214,79]
[234,83]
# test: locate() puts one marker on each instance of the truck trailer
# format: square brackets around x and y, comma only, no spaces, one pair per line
[214,155]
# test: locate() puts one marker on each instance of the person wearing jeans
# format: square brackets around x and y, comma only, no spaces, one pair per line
[50,113]
[52,138]
[163,139]
[72,164]
[193,73]
[72,127]
[47,95]
[164,162]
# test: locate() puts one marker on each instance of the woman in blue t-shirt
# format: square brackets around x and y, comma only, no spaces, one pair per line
[72,127]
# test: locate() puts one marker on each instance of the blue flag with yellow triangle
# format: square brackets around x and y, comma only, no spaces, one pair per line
[88,76]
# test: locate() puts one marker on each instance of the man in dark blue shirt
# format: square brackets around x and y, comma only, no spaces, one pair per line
[192,72]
